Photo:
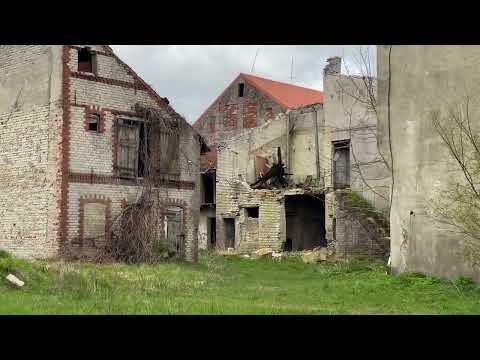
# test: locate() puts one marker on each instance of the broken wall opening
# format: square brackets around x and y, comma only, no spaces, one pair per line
[208,193]
[229,228]
[305,222]
[211,233]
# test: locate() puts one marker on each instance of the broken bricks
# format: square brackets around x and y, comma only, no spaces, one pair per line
[315,255]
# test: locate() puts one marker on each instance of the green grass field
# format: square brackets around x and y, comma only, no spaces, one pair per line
[229,285]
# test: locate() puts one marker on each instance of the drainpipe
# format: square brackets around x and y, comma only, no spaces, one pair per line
[317,155]
[287,155]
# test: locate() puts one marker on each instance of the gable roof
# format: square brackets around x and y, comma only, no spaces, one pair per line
[288,96]
[161,102]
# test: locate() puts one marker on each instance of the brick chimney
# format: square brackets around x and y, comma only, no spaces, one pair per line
[334,66]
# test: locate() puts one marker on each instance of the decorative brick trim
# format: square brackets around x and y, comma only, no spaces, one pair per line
[62,173]
[121,83]
[92,178]
[93,199]
[92,109]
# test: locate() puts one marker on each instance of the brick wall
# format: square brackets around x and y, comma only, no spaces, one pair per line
[30,125]
[356,231]
[230,113]
[215,115]
[249,114]
[56,175]
[114,92]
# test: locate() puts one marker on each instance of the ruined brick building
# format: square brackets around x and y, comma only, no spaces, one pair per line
[70,139]
[247,102]
[327,147]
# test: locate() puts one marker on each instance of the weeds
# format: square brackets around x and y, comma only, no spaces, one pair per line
[232,285]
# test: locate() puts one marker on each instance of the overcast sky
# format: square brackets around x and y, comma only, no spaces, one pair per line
[192,76]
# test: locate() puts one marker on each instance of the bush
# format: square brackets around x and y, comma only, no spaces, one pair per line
[465,283]
[4,254]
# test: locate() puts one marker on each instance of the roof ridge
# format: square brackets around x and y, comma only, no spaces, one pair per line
[280,82]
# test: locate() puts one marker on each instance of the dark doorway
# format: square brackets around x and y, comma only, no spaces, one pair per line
[175,236]
[208,180]
[211,231]
[229,233]
[305,220]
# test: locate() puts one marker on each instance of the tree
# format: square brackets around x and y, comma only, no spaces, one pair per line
[458,206]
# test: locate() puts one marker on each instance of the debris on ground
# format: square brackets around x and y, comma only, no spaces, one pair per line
[315,255]
[263,252]
[276,256]
[15,281]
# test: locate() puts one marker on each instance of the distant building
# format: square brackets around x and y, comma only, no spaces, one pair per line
[321,140]
[248,102]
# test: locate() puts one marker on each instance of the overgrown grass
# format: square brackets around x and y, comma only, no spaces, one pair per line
[229,285]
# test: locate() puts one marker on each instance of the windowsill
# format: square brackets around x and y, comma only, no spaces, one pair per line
[86,73]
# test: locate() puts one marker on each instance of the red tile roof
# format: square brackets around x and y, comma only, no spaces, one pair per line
[286,95]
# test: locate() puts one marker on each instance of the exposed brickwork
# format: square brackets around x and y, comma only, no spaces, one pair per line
[249,114]
[65,146]
[268,114]
[74,178]
[230,115]
[93,178]
[89,110]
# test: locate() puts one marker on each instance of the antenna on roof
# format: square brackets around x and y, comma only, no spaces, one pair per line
[254,59]
[291,71]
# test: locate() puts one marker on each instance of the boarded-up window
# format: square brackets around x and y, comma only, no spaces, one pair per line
[128,146]
[341,163]
[174,230]
[144,150]
[165,153]
[94,222]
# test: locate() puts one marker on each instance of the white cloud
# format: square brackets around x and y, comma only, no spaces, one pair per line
[192,76]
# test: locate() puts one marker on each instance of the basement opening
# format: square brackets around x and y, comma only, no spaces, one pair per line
[305,222]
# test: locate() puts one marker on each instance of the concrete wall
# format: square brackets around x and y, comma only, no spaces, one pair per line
[348,115]
[30,124]
[422,79]
[205,214]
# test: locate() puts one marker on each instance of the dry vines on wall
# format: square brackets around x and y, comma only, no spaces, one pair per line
[136,235]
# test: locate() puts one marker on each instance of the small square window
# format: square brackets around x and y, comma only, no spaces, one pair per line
[253,212]
[93,121]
